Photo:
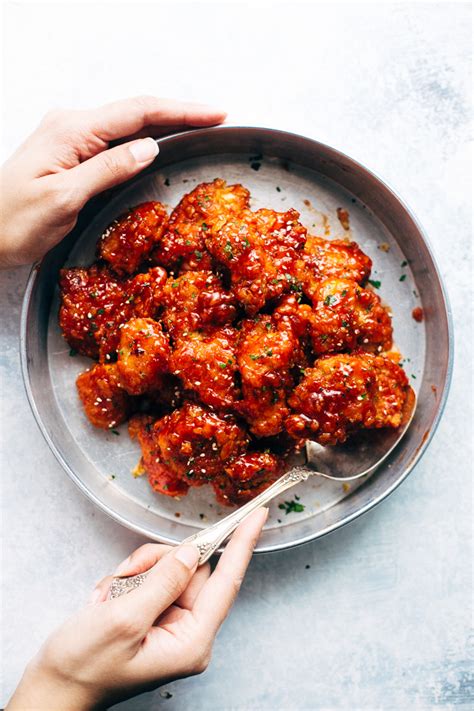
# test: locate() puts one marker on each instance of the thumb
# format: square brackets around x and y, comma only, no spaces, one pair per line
[112,167]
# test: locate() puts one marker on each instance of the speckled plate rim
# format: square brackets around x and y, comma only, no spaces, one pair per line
[354,165]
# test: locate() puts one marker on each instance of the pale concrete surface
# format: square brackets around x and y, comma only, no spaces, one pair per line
[381,618]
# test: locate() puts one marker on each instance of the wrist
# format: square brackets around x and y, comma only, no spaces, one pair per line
[41,689]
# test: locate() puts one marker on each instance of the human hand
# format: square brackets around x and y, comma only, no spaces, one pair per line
[68,160]
[114,649]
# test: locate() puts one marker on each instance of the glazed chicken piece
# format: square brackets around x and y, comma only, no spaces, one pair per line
[160,478]
[143,355]
[246,476]
[325,258]
[348,317]
[207,207]
[343,393]
[260,250]
[193,444]
[129,240]
[106,403]
[266,354]
[95,304]
[92,302]
[196,301]
[207,365]
[145,292]
[295,315]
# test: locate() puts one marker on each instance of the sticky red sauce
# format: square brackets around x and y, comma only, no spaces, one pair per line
[417,314]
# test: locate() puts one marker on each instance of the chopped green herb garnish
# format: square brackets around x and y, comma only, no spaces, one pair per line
[404,263]
[254,357]
[115,432]
[222,365]
[100,312]
[93,294]
[343,292]
[345,324]
[278,189]
[268,351]
[330,300]
[403,277]
[198,254]
[376,284]
[246,243]
[228,250]
[204,227]
[413,376]
[291,507]
[174,284]
[167,182]
[72,352]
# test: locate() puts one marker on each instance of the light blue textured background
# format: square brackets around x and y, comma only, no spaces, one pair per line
[381,619]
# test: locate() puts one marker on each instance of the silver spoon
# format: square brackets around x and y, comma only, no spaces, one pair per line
[352,460]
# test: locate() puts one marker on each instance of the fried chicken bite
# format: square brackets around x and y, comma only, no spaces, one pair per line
[105,401]
[160,478]
[95,304]
[92,302]
[325,258]
[206,208]
[196,301]
[193,444]
[146,292]
[143,355]
[207,365]
[129,240]
[266,354]
[343,393]
[260,250]
[295,315]
[347,317]
[246,476]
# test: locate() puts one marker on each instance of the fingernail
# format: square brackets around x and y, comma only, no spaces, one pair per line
[96,594]
[144,150]
[188,556]
[123,567]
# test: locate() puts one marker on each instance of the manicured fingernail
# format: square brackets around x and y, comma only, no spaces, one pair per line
[188,556]
[96,594]
[123,567]
[144,150]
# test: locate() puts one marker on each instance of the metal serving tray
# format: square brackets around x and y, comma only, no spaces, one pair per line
[293,172]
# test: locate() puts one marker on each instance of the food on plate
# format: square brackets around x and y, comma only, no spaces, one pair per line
[227,337]
[128,242]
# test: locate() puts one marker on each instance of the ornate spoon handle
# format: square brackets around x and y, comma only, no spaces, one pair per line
[209,539]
